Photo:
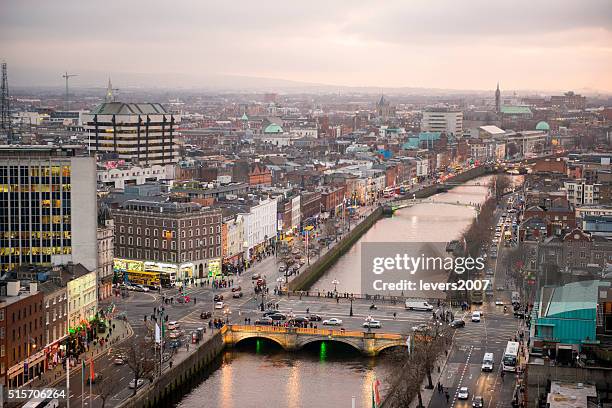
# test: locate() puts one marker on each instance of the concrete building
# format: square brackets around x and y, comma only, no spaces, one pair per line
[442,120]
[47,206]
[141,133]
[123,175]
[580,192]
[55,301]
[22,355]
[186,236]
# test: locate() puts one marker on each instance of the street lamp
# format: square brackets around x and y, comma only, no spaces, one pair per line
[351,299]
[335,282]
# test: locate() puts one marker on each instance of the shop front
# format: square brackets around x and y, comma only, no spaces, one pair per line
[25,371]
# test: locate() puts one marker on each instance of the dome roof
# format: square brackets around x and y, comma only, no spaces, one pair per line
[273,128]
[244,117]
[542,126]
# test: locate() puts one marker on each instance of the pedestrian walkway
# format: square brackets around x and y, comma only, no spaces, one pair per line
[436,377]
[56,375]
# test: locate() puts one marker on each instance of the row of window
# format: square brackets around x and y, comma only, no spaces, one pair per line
[168,256]
[170,234]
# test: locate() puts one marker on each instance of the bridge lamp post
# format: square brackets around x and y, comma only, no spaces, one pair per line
[351,312]
[335,282]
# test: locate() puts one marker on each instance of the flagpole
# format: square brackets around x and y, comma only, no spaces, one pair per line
[83,384]
[91,380]
[68,381]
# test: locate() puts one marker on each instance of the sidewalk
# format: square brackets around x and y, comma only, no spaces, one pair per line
[436,377]
[56,375]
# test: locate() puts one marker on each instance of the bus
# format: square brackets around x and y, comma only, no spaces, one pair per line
[42,403]
[147,278]
[510,360]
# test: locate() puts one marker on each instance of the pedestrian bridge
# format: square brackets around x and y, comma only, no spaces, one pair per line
[398,204]
[292,338]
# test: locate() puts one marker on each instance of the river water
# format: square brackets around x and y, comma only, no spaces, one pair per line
[258,373]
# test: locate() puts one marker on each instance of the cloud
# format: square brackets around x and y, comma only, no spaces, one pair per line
[545,44]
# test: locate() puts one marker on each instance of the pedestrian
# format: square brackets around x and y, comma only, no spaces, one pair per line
[447,397]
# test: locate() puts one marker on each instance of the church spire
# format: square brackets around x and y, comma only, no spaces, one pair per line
[497,99]
[109,92]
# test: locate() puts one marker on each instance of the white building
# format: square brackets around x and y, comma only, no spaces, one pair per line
[308,132]
[442,120]
[260,225]
[118,177]
[296,213]
[106,255]
[235,236]
[579,192]
[82,297]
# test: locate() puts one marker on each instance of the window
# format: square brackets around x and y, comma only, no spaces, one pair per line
[2,332]
[130,230]
[147,242]
[121,239]
[156,243]
[137,241]
[147,231]
[130,241]
[1,315]
[138,231]
[212,231]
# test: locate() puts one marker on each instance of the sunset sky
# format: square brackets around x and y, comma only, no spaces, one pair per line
[468,44]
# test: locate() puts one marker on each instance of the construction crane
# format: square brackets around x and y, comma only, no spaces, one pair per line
[67,76]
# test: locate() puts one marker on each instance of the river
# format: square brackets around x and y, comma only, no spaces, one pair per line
[260,374]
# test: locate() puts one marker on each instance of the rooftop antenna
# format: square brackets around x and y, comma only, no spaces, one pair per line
[67,76]
[5,112]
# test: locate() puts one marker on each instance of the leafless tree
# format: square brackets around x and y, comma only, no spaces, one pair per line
[140,358]
[499,185]
[104,389]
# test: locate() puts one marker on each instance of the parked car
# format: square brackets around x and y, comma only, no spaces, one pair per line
[332,322]
[136,384]
[372,324]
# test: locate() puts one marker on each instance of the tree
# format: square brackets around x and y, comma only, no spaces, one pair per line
[499,185]
[104,389]
[140,358]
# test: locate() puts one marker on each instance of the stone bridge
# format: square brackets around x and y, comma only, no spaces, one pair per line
[291,338]
[409,202]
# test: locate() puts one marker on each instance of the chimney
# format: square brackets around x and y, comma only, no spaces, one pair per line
[12,288]
[33,288]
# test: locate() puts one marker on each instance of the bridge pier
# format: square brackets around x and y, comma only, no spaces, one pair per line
[369,345]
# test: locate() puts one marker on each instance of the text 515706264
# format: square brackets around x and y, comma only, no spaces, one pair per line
[19,394]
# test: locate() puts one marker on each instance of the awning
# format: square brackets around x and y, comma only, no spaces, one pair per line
[309,228]
[288,239]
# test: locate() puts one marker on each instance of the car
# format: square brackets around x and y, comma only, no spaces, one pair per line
[255,276]
[463,393]
[277,316]
[176,343]
[218,298]
[334,321]
[455,324]
[497,234]
[175,334]
[119,359]
[173,325]
[137,288]
[264,321]
[420,328]
[477,402]
[499,303]
[500,288]
[205,315]
[219,305]
[372,324]
[237,295]
[476,317]
[143,288]
[314,318]
[493,255]
[299,320]
[237,289]
[270,312]
[136,384]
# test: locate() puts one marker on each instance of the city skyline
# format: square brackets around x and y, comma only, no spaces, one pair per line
[547,46]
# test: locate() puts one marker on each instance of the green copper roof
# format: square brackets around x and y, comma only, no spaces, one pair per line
[516,110]
[273,128]
[244,117]
[542,126]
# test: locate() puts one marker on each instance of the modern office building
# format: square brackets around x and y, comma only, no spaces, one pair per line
[442,119]
[142,133]
[47,206]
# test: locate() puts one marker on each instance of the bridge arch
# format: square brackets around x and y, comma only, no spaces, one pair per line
[333,339]
[390,345]
[260,336]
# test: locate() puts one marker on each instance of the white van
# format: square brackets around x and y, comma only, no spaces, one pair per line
[476,317]
[487,362]
[418,305]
